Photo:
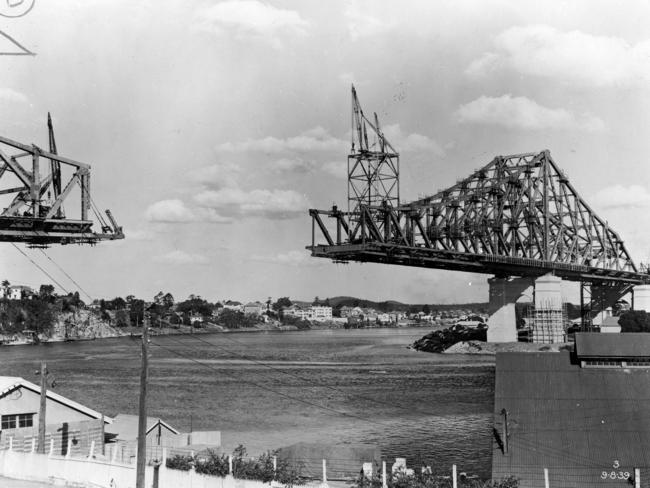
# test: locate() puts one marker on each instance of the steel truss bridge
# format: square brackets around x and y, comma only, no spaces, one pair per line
[519,215]
[40,186]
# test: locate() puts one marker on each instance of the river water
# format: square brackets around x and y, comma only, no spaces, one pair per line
[272,389]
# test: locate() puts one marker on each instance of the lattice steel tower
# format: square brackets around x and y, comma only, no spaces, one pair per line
[373,166]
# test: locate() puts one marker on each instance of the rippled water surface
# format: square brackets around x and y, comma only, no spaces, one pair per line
[267,390]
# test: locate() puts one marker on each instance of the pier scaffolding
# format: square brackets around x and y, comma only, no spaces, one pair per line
[548,323]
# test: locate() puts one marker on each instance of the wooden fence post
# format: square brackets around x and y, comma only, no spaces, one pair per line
[324,471]
[454,477]
[637,477]
[384,482]
[546,478]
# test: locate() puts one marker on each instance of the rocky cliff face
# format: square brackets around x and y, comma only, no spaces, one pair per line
[83,324]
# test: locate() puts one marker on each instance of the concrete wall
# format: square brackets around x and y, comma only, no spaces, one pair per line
[106,474]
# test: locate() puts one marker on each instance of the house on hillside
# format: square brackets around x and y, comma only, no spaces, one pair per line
[321,313]
[18,292]
[351,311]
[254,308]
[232,305]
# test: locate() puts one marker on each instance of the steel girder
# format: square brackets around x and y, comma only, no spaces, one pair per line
[32,219]
[518,215]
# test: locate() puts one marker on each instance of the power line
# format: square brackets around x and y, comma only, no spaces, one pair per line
[39,267]
[69,277]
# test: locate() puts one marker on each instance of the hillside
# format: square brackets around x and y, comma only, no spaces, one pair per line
[389,305]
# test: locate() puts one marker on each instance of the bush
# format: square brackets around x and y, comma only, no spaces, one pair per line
[214,464]
[428,480]
[182,463]
[260,469]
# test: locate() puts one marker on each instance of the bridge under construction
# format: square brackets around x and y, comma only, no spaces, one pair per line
[517,216]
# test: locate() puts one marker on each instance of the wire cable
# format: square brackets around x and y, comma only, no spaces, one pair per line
[69,277]
[39,267]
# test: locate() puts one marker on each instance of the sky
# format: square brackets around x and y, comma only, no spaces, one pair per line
[213,126]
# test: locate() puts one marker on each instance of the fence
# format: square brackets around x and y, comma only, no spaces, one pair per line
[108,473]
[73,437]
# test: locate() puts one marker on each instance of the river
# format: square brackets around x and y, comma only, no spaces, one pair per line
[271,389]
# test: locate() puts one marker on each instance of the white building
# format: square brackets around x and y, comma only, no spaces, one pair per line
[18,292]
[321,313]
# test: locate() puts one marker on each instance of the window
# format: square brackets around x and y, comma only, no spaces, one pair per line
[26,420]
[17,420]
[8,422]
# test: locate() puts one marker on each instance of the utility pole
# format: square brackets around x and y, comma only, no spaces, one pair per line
[142,413]
[41,412]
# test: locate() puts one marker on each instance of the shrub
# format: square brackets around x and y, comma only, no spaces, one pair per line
[214,464]
[260,469]
[428,480]
[182,463]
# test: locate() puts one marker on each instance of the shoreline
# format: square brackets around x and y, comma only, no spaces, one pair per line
[134,332]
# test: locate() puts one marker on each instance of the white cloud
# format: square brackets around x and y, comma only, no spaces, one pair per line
[292,165]
[273,204]
[361,24]
[574,56]
[623,197]
[524,113]
[316,139]
[9,95]
[411,142]
[292,258]
[139,235]
[175,211]
[169,211]
[338,169]
[215,176]
[252,18]
[181,257]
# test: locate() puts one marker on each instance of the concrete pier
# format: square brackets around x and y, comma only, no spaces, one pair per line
[504,293]
[642,297]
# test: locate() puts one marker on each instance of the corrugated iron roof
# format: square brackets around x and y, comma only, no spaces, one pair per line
[582,424]
[630,344]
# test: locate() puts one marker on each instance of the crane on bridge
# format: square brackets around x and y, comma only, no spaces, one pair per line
[519,215]
[34,213]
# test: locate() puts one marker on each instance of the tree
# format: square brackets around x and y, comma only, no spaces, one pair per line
[168,300]
[281,303]
[46,293]
[5,287]
[136,312]
[426,309]
[121,318]
[635,321]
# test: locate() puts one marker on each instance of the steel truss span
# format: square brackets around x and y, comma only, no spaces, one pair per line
[35,214]
[518,215]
